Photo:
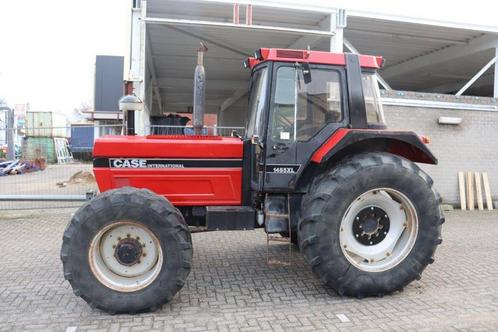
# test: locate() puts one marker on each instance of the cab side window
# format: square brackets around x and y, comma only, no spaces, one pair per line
[301,110]
[319,102]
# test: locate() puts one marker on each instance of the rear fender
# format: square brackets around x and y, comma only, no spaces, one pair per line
[345,142]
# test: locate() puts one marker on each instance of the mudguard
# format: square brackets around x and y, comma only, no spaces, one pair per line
[406,144]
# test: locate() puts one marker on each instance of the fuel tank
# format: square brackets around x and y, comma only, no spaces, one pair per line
[187,170]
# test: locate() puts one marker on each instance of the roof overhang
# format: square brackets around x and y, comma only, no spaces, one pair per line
[421,55]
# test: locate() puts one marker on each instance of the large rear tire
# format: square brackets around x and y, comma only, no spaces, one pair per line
[370,224]
[127,251]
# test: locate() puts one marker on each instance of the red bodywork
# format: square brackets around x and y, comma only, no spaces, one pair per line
[316,57]
[195,185]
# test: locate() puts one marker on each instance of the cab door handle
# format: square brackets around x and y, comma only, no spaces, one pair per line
[280,147]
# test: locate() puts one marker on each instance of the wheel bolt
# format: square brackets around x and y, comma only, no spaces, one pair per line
[138,262]
[357,235]
[138,237]
[388,254]
[119,238]
[144,254]
[128,235]
[113,246]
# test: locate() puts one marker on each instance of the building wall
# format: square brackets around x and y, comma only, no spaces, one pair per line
[470,146]
[108,83]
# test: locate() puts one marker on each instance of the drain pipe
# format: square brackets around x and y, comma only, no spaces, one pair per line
[199,91]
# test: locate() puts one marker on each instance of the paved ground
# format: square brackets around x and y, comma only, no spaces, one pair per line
[230,287]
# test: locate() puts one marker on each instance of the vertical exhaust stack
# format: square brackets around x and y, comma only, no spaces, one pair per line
[199,91]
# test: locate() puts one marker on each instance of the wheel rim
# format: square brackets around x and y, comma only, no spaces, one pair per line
[125,256]
[378,230]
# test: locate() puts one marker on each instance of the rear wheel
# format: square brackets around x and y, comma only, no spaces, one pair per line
[127,251]
[371,224]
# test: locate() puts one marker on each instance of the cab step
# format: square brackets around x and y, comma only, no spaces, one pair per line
[277,221]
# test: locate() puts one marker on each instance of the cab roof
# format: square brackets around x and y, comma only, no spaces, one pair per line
[312,57]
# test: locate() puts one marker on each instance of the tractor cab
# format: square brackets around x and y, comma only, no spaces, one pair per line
[298,99]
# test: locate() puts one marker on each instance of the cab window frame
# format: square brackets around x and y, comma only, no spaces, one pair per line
[341,81]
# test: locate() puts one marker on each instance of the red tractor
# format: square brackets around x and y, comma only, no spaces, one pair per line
[316,165]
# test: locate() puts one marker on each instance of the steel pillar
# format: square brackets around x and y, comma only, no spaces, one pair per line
[11,152]
[495,81]
[9,131]
[338,21]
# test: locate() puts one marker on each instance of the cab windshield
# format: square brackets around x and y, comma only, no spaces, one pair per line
[257,98]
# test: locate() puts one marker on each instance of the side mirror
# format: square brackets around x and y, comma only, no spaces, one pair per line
[256,141]
[305,69]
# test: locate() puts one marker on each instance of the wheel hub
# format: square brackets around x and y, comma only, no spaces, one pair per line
[128,252]
[371,225]
[378,230]
[125,256]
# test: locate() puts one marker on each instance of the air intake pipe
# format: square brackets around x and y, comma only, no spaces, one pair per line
[199,91]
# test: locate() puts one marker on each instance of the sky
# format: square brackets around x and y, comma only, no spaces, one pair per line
[48,48]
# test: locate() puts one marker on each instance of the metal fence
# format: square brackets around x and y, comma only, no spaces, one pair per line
[189,130]
[52,167]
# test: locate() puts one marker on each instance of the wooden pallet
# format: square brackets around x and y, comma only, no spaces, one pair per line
[470,185]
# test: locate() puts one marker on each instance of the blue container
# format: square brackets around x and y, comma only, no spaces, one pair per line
[82,138]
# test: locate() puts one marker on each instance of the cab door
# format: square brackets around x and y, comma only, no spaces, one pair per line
[280,165]
[303,113]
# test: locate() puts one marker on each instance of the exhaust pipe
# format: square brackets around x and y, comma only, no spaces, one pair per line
[199,91]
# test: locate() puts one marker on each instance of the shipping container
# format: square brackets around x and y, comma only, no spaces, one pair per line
[82,137]
[46,124]
[39,147]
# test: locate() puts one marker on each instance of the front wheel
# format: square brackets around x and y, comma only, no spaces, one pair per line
[127,251]
[371,225]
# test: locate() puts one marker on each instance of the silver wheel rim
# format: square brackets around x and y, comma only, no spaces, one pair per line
[389,241]
[113,265]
